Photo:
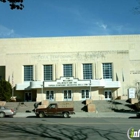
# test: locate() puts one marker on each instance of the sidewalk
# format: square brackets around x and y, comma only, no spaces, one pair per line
[87,115]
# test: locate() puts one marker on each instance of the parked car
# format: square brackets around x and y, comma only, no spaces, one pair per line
[4,111]
[56,109]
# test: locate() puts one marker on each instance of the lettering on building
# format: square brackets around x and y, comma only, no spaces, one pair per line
[134,72]
[78,56]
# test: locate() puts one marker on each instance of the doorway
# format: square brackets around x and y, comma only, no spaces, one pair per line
[28,97]
[84,94]
[108,94]
[67,95]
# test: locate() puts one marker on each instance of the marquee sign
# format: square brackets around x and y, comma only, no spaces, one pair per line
[67,82]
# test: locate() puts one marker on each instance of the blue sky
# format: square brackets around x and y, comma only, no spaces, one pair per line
[54,18]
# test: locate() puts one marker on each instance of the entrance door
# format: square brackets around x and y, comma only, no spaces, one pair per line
[67,95]
[50,95]
[108,94]
[85,94]
[28,96]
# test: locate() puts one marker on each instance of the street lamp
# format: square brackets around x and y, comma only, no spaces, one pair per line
[90,89]
[137,88]
[41,90]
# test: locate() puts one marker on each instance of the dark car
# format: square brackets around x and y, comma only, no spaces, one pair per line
[4,111]
[138,114]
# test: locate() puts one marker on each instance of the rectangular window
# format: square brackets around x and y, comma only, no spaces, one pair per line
[28,73]
[48,72]
[87,71]
[67,94]
[85,94]
[67,70]
[50,95]
[107,70]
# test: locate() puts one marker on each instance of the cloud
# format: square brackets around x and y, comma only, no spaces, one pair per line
[7,33]
[98,27]
[101,25]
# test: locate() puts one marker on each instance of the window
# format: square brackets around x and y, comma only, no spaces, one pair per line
[107,70]
[85,94]
[67,70]
[67,95]
[49,95]
[52,106]
[87,71]
[48,72]
[28,73]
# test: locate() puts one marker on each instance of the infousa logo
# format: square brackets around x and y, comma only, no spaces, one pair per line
[131,133]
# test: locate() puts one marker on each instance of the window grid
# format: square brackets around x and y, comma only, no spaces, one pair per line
[107,71]
[28,73]
[67,70]
[87,71]
[48,72]
[49,95]
[85,94]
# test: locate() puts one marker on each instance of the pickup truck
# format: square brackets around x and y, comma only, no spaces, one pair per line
[55,109]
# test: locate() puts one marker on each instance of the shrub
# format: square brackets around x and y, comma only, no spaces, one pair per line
[5,90]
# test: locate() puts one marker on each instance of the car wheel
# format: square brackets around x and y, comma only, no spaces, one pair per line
[66,115]
[41,115]
[2,114]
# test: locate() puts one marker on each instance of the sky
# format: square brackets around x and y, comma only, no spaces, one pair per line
[59,18]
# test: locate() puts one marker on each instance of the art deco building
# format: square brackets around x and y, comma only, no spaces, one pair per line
[71,68]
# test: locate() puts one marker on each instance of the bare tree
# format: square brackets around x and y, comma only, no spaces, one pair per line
[14,4]
[136,10]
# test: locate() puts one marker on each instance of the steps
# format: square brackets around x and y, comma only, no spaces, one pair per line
[12,105]
[26,106]
[101,106]
[21,107]
[116,105]
[79,106]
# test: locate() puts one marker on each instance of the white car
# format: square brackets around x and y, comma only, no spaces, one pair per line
[4,111]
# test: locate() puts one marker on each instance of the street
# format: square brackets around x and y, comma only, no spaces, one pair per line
[66,128]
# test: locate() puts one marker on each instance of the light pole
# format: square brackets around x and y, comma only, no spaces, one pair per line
[42,91]
[90,89]
[137,89]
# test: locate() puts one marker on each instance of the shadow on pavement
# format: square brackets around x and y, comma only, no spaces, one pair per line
[114,102]
[31,117]
[134,117]
[125,107]
[47,117]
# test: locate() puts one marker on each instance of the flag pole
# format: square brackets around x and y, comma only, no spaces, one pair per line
[123,81]
[12,84]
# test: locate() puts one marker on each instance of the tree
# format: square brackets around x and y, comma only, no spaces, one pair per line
[14,4]
[5,90]
[136,9]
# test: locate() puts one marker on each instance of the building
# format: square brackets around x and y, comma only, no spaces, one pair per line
[71,68]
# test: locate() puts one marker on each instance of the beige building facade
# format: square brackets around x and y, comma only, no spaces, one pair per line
[71,68]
